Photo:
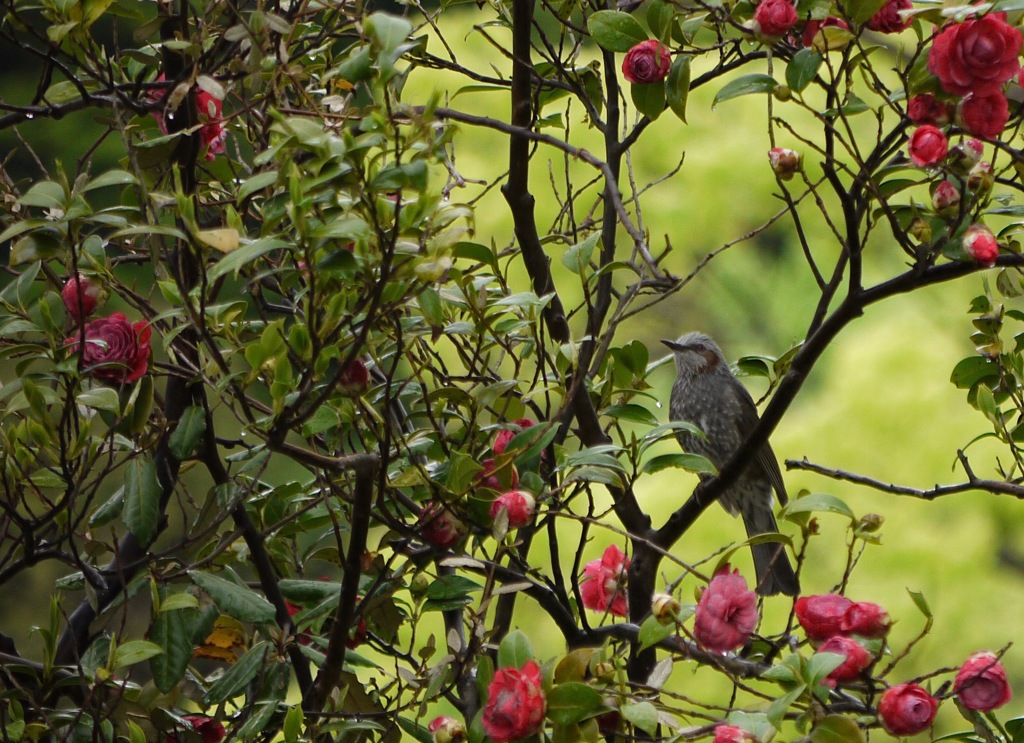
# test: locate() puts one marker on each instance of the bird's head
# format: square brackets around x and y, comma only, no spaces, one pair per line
[695,353]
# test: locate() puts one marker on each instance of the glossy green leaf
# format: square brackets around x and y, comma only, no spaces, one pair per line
[803,68]
[236,601]
[757,82]
[817,502]
[187,434]
[615,31]
[572,702]
[172,631]
[836,729]
[238,676]
[643,715]
[135,651]
[649,99]
[681,460]
[515,650]
[141,498]
[678,85]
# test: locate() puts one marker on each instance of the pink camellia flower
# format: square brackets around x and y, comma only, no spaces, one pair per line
[115,350]
[868,620]
[603,587]
[927,146]
[985,115]
[354,379]
[445,729]
[888,20]
[907,709]
[774,18]
[976,56]
[857,658]
[211,131]
[647,62]
[812,29]
[502,438]
[82,296]
[210,729]
[925,108]
[946,197]
[732,734]
[981,245]
[822,616]
[489,477]
[980,179]
[518,504]
[439,526]
[515,703]
[726,612]
[981,683]
[785,162]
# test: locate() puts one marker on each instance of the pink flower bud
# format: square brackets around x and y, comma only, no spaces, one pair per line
[822,616]
[867,620]
[726,612]
[494,479]
[925,108]
[980,180]
[981,683]
[927,146]
[774,18]
[515,703]
[946,197]
[857,658]
[647,62]
[888,20]
[732,734]
[981,245]
[907,709]
[785,162]
[446,729]
[518,504]
[502,438]
[439,526]
[82,297]
[603,586]
[354,379]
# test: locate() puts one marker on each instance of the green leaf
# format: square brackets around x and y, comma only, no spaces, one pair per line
[649,98]
[172,631]
[44,194]
[234,600]
[746,85]
[100,398]
[777,710]
[803,68]
[388,31]
[821,665]
[921,603]
[682,460]
[860,11]
[134,652]
[652,632]
[238,676]
[642,714]
[108,510]
[451,587]
[633,413]
[110,178]
[968,372]
[190,429]
[515,650]
[678,88]
[256,183]
[308,591]
[141,498]
[237,259]
[178,601]
[577,258]
[615,31]
[836,729]
[572,702]
[817,502]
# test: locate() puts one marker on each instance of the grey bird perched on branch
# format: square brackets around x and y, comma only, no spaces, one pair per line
[707,395]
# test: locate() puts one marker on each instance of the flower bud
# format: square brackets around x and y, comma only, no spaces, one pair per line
[785,162]
[920,230]
[604,670]
[782,93]
[446,729]
[354,379]
[981,245]
[665,608]
[946,197]
[981,683]
[518,505]
[867,620]
[980,180]
[418,585]
[439,526]
[870,523]
[82,296]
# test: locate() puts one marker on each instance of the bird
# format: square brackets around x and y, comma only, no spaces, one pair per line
[707,395]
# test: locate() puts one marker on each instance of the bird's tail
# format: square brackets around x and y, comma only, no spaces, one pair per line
[771,564]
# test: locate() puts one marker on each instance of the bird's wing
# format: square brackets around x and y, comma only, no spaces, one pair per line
[765,459]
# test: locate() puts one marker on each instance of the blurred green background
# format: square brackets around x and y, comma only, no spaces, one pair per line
[879,402]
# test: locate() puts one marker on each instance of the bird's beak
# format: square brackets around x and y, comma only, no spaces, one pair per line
[673,345]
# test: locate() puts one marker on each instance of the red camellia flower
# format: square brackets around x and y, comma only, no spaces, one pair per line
[210,729]
[726,612]
[985,115]
[211,131]
[515,703]
[81,297]
[822,616]
[439,526]
[864,618]
[784,161]
[928,145]
[981,683]
[445,729]
[489,477]
[732,734]
[775,18]
[981,245]
[927,109]
[115,350]
[857,657]
[647,62]
[502,438]
[354,379]
[518,504]
[603,588]
[946,197]
[888,20]
[907,709]
[976,56]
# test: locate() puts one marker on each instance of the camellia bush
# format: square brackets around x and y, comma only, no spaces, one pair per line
[291,451]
